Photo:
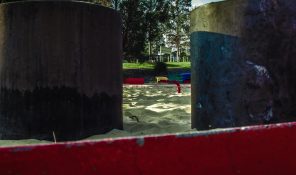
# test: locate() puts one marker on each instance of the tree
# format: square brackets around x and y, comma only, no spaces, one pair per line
[156,14]
[106,3]
[178,26]
[142,25]
[146,21]
[134,30]
[115,4]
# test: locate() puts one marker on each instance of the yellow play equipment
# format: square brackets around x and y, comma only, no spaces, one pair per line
[158,79]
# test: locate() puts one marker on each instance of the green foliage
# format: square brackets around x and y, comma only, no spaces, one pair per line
[179,65]
[145,22]
[142,21]
[144,65]
[177,28]
[156,15]
[160,68]
[134,37]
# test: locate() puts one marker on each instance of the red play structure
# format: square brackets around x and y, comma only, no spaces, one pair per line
[177,84]
[140,81]
[134,81]
[257,150]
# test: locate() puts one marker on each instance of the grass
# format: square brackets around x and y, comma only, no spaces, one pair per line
[181,65]
[137,66]
[171,65]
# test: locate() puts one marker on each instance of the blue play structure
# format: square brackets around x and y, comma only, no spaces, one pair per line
[186,76]
[181,77]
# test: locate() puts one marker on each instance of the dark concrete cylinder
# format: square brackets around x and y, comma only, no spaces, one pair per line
[60,70]
[243,65]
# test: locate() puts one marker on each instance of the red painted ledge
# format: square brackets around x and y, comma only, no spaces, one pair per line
[262,150]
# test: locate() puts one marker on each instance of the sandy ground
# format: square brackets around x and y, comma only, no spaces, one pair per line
[154,109]
[147,110]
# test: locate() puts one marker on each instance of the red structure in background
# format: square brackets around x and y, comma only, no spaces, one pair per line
[140,81]
[258,150]
[187,81]
[177,84]
[134,81]
[173,82]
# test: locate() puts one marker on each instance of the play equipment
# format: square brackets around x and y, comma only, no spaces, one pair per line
[177,84]
[256,150]
[159,79]
[187,82]
[175,77]
[180,77]
[185,76]
[166,80]
[138,81]
[163,79]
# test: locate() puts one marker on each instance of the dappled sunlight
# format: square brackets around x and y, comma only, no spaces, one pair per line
[164,107]
[156,109]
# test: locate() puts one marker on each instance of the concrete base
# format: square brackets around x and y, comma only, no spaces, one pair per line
[60,70]
[243,63]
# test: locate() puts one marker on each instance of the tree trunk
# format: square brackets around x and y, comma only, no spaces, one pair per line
[150,50]
[178,31]
[178,50]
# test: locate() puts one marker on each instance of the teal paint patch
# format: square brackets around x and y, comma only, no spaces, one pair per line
[228,90]
[215,75]
[140,141]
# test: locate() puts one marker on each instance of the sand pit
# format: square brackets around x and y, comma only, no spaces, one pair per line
[147,110]
[154,109]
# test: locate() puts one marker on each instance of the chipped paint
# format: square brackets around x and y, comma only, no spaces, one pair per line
[22,149]
[205,133]
[248,150]
[140,141]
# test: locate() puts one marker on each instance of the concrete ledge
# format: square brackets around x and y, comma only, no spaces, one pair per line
[243,63]
[60,70]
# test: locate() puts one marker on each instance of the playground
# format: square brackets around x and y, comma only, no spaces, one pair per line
[153,109]
[74,98]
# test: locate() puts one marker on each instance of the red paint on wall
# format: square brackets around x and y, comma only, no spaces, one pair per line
[262,150]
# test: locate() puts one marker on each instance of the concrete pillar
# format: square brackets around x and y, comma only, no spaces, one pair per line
[60,70]
[243,65]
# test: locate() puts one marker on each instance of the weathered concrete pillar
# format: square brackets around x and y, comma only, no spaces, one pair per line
[243,65]
[60,70]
